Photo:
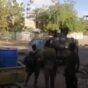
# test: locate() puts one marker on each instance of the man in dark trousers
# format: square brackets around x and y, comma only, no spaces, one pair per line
[49,57]
[32,65]
[72,66]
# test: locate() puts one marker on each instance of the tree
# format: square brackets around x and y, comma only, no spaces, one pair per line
[8,10]
[51,26]
[85,26]
[3,15]
[68,14]
[15,14]
[41,18]
[60,14]
[15,17]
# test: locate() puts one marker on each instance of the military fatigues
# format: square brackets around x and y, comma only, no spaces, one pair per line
[60,45]
[71,67]
[32,66]
[70,59]
[49,56]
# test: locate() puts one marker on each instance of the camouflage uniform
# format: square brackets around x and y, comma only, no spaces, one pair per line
[71,67]
[32,66]
[61,43]
[49,56]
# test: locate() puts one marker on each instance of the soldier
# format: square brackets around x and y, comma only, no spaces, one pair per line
[64,32]
[32,65]
[59,43]
[64,42]
[71,67]
[49,57]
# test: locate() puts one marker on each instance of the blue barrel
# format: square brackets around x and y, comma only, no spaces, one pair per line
[8,57]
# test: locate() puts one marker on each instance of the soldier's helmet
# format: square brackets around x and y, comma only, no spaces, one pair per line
[34,47]
[64,29]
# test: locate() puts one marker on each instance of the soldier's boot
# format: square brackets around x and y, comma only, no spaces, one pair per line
[36,79]
[47,81]
[52,79]
[27,78]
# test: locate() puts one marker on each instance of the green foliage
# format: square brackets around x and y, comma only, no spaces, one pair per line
[62,14]
[41,18]
[8,10]
[53,13]
[15,12]
[3,15]
[68,15]
[51,26]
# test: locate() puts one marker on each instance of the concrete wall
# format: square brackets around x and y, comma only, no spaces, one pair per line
[30,23]
[76,35]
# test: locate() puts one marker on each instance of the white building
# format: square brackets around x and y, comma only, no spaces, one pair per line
[30,23]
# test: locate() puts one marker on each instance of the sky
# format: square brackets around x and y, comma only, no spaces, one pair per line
[80,5]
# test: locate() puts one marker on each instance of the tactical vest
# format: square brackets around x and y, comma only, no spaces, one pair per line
[61,44]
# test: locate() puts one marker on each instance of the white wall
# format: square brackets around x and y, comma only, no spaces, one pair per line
[76,35]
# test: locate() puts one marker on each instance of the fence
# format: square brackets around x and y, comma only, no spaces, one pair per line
[24,36]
